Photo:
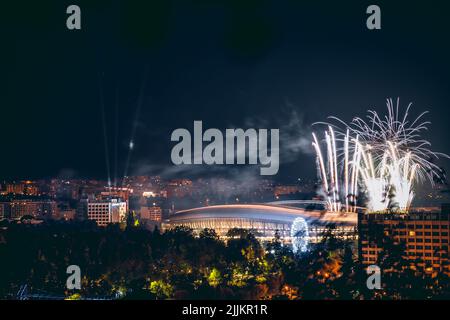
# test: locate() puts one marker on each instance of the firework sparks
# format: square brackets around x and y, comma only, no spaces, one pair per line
[401,174]
[389,155]
[329,173]
[374,180]
[397,129]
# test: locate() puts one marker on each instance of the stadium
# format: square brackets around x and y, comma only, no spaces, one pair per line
[264,220]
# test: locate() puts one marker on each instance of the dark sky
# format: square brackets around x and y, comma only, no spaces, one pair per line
[229,63]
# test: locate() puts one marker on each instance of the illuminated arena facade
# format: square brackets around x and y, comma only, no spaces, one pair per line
[264,220]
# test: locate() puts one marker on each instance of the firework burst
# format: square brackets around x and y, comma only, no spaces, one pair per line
[389,155]
[403,133]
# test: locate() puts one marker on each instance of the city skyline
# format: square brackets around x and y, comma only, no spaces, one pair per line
[124,84]
[224,150]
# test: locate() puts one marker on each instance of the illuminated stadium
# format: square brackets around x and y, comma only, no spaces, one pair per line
[265,219]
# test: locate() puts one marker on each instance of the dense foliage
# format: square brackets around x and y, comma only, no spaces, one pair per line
[133,263]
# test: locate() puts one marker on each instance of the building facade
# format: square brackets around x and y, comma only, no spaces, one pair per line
[263,220]
[423,237]
[106,211]
[153,213]
[16,209]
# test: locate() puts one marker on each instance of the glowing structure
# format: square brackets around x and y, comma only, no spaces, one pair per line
[299,235]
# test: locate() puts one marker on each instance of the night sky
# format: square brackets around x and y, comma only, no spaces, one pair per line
[230,63]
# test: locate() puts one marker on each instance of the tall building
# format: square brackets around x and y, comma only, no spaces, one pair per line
[16,188]
[16,209]
[106,211]
[153,213]
[424,237]
[24,187]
